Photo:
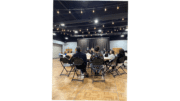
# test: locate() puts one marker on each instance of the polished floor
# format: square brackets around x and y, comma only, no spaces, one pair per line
[65,89]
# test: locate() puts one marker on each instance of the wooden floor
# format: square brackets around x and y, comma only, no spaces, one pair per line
[65,89]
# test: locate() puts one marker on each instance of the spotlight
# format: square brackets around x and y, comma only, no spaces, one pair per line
[122,35]
[103,25]
[93,11]
[81,11]
[94,27]
[57,12]
[62,24]
[105,9]
[75,31]
[80,30]
[122,19]
[66,38]
[87,29]
[117,7]
[99,30]
[96,21]
[69,12]
[113,23]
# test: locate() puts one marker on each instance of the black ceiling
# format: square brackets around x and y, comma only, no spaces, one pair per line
[84,21]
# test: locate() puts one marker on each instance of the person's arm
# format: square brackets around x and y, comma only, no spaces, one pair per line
[85,60]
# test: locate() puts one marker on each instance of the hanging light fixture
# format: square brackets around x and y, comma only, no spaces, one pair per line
[122,19]
[69,12]
[94,27]
[111,31]
[80,30]
[87,29]
[88,32]
[103,25]
[117,7]
[81,11]
[113,23]
[120,28]
[93,11]
[105,9]
[57,12]
[57,28]
[91,34]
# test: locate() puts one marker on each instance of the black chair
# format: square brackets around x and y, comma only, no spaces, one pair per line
[121,61]
[97,63]
[77,62]
[106,55]
[65,63]
[114,71]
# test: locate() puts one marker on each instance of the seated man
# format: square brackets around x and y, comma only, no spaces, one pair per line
[96,55]
[82,56]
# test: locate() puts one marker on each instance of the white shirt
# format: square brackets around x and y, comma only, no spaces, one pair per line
[112,57]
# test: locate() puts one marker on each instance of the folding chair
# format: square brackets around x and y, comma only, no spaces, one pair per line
[65,63]
[121,64]
[114,71]
[97,66]
[77,62]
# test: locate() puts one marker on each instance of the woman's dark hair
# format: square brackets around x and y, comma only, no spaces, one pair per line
[96,48]
[78,49]
[112,51]
[121,52]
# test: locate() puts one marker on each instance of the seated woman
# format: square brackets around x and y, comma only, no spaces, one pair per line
[121,54]
[96,55]
[112,56]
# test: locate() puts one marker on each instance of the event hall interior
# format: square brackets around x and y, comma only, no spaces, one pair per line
[90,50]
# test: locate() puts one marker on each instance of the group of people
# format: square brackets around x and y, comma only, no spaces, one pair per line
[95,54]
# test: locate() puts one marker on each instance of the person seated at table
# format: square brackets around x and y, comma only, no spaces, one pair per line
[120,55]
[82,56]
[104,51]
[106,54]
[112,56]
[96,55]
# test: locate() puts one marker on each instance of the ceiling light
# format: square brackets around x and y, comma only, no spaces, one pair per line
[111,31]
[105,9]
[81,11]
[117,7]
[94,27]
[64,30]
[75,31]
[87,29]
[70,30]
[96,21]
[114,29]
[64,33]
[57,28]
[57,12]
[99,30]
[122,35]
[54,33]
[103,25]
[91,35]
[120,28]
[126,30]
[62,24]
[88,32]
[80,30]
[66,38]
[93,11]
[122,18]
[83,32]
[113,23]
[69,12]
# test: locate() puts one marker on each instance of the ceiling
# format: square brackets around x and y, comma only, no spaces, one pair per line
[80,22]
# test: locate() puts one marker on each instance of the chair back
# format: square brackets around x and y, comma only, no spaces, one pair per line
[77,61]
[64,60]
[114,62]
[122,59]
[106,55]
[97,62]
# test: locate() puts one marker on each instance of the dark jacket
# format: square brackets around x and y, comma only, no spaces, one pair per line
[96,56]
[82,56]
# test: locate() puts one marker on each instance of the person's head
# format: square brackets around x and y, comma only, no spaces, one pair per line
[97,48]
[78,49]
[111,52]
[121,51]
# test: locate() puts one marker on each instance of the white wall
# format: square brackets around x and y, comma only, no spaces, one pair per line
[60,43]
[71,45]
[118,44]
